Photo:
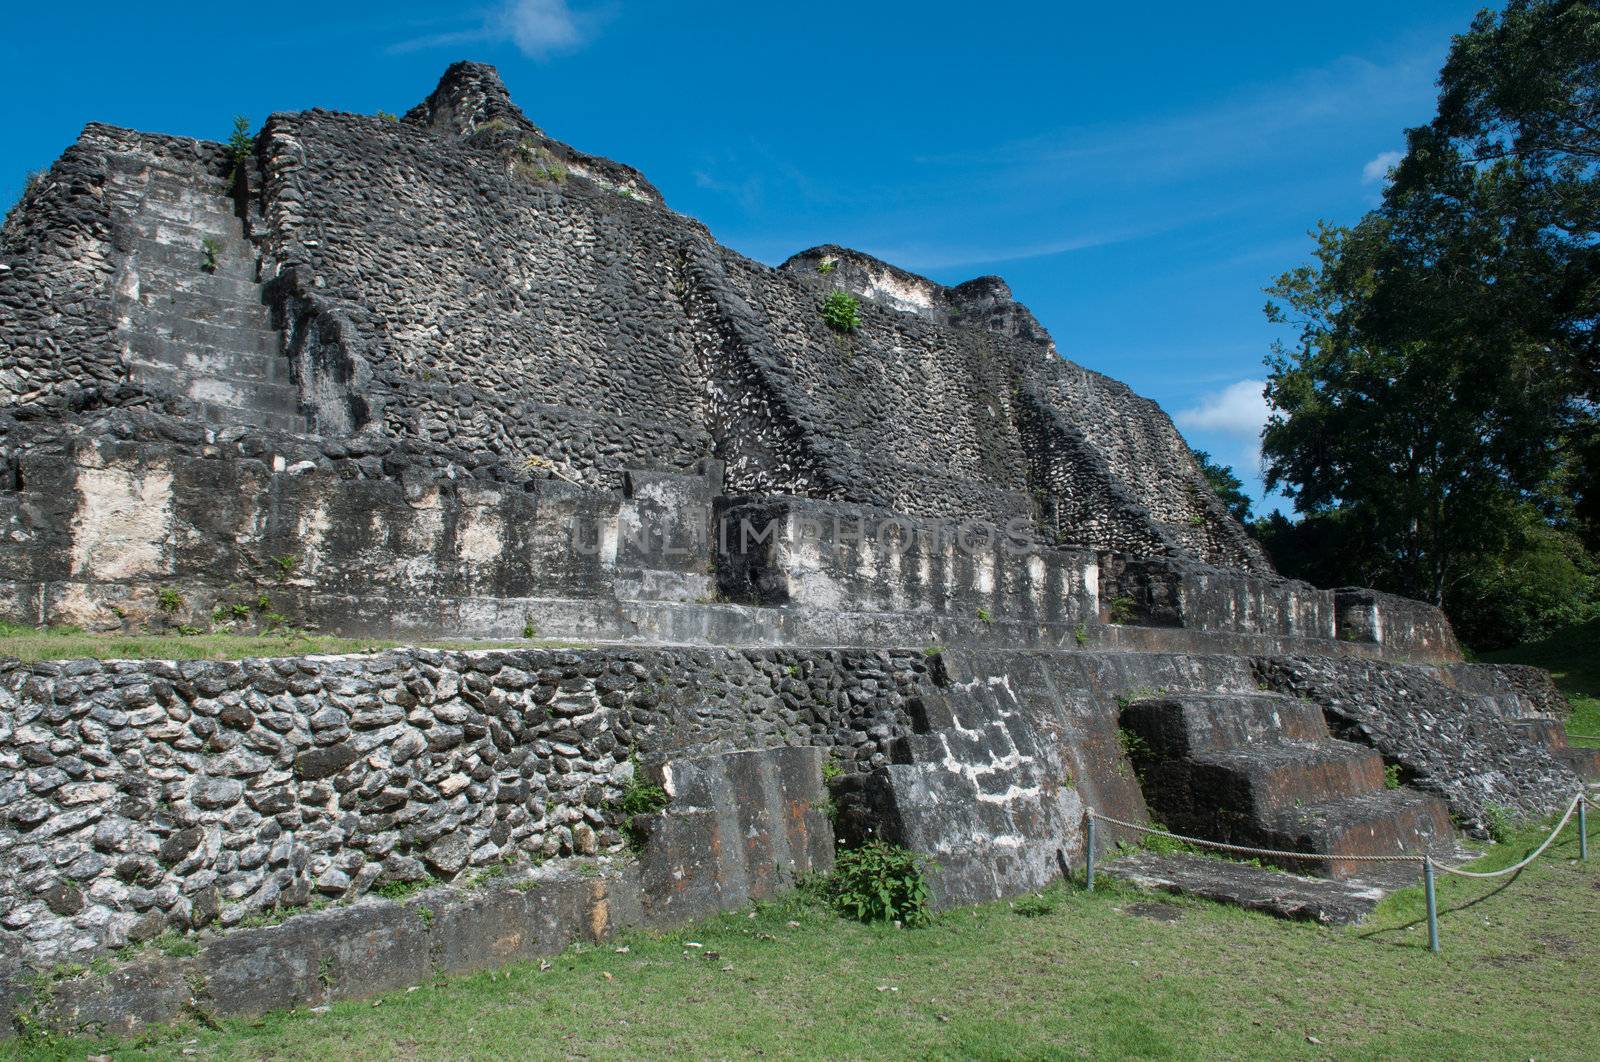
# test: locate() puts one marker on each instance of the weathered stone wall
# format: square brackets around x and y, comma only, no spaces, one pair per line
[141,796]
[1463,746]
[57,260]
[99,518]
[459,277]
[838,557]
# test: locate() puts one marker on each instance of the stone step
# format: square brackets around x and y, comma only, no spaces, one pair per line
[1287,896]
[192,232]
[1585,762]
[189,359]
[1268,777]
[1178,725]
[199,304]
[143,167]
[262,395]
[233,261]
[266,342]
[173,187]
[1540,730]
[209,213]
[1385,822]
[217,285]
[234,417]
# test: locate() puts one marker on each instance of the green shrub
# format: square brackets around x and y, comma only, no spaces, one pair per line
[533,162]
[1120,610]
[880,882]
[827,265]
[842,311]
[169,600]
[210,251]
[1391,776]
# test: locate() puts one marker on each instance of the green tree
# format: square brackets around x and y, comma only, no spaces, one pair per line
[1435,411]
[1228,487]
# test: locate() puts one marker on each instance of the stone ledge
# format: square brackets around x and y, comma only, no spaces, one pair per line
[348,952]
[1287,896]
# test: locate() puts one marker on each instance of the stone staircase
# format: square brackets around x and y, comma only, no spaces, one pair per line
[190,307]
[977,788]
[1263,770]
[1552,734]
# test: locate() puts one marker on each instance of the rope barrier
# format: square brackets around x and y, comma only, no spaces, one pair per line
[1535,854]
[1277,853]
[1578,806]
[1253,851]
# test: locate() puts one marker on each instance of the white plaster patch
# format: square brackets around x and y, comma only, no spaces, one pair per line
[123,526]
[480,539]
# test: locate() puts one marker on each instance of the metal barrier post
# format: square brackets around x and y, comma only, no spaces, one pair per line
[1433,904]
[1088,849]
[1583,826]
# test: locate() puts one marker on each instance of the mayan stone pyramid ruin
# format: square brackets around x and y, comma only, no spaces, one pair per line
[826,551]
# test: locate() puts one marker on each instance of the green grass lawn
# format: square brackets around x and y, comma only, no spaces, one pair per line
[70,643]
[1116,974]
[1573,657]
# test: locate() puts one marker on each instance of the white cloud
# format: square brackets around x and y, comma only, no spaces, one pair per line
[1239,410]
[1228,423]
[1378,169]
[537,27]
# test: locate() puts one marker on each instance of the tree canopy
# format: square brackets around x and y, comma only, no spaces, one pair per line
[1434,412]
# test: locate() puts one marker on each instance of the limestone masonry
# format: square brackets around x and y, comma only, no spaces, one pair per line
[444,377]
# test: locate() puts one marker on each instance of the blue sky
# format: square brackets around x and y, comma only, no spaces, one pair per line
[1138,172]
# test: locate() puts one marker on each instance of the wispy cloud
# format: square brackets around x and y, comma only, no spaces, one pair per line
[1378,169]
[538,28]
[1266,122]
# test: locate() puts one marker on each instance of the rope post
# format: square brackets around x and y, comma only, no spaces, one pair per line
[1088,849]
[1433,904]
[1583,826]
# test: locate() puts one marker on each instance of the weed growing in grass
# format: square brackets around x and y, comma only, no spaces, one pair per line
[1501,822]
[880,882]
[1037,905]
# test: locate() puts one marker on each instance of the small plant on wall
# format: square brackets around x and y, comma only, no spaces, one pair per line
[842,311]
[639,799]
[241,145]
